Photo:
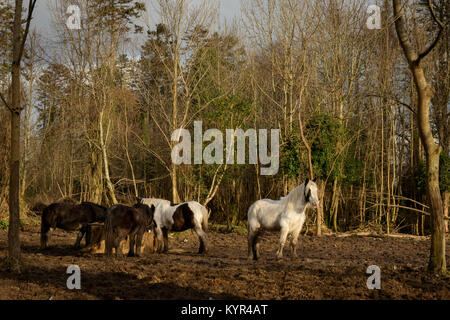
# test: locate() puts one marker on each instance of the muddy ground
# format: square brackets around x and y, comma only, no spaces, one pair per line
[329,267]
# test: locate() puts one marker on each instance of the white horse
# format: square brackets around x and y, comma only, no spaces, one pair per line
[180,217]
[286,215]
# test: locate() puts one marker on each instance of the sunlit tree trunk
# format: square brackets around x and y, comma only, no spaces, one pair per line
[16,108]
[437,262]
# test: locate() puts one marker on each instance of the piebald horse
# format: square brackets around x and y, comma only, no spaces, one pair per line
[286,215]
[180,217]
[152,201]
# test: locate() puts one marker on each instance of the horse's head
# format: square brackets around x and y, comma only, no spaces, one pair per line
[149,212]
[311,193]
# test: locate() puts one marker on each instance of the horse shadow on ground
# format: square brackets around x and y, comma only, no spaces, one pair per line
[110,285]
[54,251]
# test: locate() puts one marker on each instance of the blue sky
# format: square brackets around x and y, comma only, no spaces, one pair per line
[42,17]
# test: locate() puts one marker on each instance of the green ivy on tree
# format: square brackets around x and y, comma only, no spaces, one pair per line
[444,174]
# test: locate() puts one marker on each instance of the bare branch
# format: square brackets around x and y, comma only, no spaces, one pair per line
[31,5]
[6,103]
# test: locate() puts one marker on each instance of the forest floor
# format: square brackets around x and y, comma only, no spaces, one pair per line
[329,267]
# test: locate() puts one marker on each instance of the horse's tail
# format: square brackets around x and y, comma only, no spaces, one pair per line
[250,213]
[109,237]
[206,213]
[250,210]
[45,227]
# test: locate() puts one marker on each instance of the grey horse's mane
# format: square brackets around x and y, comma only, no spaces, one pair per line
[293,197]
[153,201]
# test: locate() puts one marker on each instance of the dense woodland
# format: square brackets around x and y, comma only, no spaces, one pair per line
[100,104]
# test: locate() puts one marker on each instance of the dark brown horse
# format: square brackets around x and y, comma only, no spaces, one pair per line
[123,221]
[71,217]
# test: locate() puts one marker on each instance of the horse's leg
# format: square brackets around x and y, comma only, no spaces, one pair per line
[45,227]
[155,241]
[166,239]
[202,237]
[295,235]
[256,245]
[132,242]
[283,236]
[118,247]
[80,236]
[253,244]
[139,236]
[294,241]
[160,240]
[251,238]
[117,239]
[88,235]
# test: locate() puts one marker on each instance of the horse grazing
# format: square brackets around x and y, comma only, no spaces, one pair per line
[180,217]
[286,215]
[71,217]
[123,221]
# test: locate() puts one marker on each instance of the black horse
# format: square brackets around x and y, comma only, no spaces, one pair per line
[71,217]
[123,221]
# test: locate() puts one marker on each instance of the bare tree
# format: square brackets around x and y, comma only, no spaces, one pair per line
[15,107]
[432,150]
[184,26]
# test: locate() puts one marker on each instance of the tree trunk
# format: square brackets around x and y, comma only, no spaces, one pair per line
[95,185]
[103,145]
[14,179]
[173,177]
[14,208]
[437,262]
[319,221]
[445,199]
[432,152]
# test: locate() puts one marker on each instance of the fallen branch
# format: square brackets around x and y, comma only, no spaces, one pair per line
[408,208]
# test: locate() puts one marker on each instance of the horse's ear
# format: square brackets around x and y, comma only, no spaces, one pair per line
[306,182]
[315,179]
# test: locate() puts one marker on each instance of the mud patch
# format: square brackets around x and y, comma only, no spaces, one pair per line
[330,267]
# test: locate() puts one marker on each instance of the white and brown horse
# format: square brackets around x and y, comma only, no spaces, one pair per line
[286,215]
[152,201]
[180,217]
